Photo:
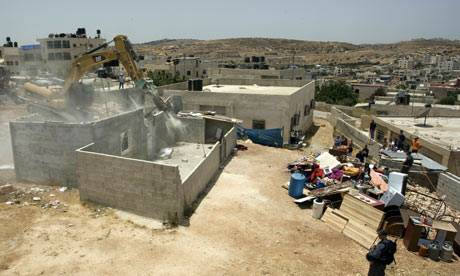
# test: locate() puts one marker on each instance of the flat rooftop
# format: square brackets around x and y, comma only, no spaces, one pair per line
[443,131]
[187,156]
[251,89]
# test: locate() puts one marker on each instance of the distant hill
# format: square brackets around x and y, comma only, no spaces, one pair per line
[282,51]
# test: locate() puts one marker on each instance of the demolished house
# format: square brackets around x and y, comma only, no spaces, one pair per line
[155,165]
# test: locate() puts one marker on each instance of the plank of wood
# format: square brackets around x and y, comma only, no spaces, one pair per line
[357,210]
[334,220]
[304,199]
[356,233]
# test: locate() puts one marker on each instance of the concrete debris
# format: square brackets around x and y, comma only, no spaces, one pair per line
[6,189]
[36,198]
[9,203]
[62,189]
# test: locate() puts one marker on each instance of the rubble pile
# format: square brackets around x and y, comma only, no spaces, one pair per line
[34,196]
[421,200]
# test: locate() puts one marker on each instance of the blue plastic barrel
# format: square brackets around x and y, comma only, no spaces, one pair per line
[296,185]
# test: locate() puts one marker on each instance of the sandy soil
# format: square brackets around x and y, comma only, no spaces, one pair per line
[246,225]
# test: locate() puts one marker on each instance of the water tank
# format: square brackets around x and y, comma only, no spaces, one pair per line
[195,85]
[296,185]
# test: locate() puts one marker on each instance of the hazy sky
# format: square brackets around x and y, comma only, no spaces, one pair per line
[357,21]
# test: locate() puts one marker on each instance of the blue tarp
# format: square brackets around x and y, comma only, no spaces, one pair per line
[267,137]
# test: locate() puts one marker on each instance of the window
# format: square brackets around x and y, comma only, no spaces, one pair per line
[258,124]
[51,56]
[75,45]
[65,44]
[204,72]
[66,56]
[312,104]
[91,45]
[125,142]
[57,44]
[16,63]
[189,73]
[306,110]
[50,44]
[58,56]
[196,74]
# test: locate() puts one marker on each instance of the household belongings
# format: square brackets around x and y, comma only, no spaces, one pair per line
[418,227]
[356,219]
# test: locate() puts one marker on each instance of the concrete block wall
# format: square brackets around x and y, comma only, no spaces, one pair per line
[192,130]
[165,131]
[197,181]
[106,134]
[142,187]
[230,141]
[449,185]
[44,152]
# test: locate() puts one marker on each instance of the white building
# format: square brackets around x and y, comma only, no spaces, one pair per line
[188,67]
[257,105]
[11,58]
[59,50]
[406,63]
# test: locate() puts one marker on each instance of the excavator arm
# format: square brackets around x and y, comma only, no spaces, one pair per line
[93,59]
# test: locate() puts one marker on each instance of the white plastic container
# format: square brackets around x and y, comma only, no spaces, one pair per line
[318,208]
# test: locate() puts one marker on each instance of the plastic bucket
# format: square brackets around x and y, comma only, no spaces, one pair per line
[318,208]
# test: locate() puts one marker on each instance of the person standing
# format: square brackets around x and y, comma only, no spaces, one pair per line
[381,255]
[350,148]
[372,128]
[401,140]
[121,80]
[416,145]
[407,163]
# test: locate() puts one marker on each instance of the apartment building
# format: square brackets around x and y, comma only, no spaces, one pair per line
[59,50]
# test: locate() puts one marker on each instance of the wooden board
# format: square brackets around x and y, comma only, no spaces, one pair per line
[363,220]
[361,212]
[334,220]
[362,235]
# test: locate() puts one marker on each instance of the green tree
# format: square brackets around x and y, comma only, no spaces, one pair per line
[380,92]
[161,77]
[336,92]
[449,100]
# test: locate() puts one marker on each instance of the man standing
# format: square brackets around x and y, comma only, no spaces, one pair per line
[372,128]
[121,80]
[407,163]
[381,255]
[401,140]
[415,144]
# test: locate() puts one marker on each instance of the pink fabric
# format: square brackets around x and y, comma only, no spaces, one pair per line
[378,182]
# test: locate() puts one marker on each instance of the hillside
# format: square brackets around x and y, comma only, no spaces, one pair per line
[310,52]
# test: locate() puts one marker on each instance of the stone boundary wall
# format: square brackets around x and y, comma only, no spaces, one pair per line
[230,141]
[201,176]
[359,139]
[449,185]
[142,187]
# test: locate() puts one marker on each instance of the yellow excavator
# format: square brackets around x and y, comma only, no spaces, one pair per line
[95,58]
[122,52]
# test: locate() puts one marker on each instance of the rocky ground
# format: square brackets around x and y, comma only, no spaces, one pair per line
[245,225]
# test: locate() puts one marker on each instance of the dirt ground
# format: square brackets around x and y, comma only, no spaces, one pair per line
[245,225]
